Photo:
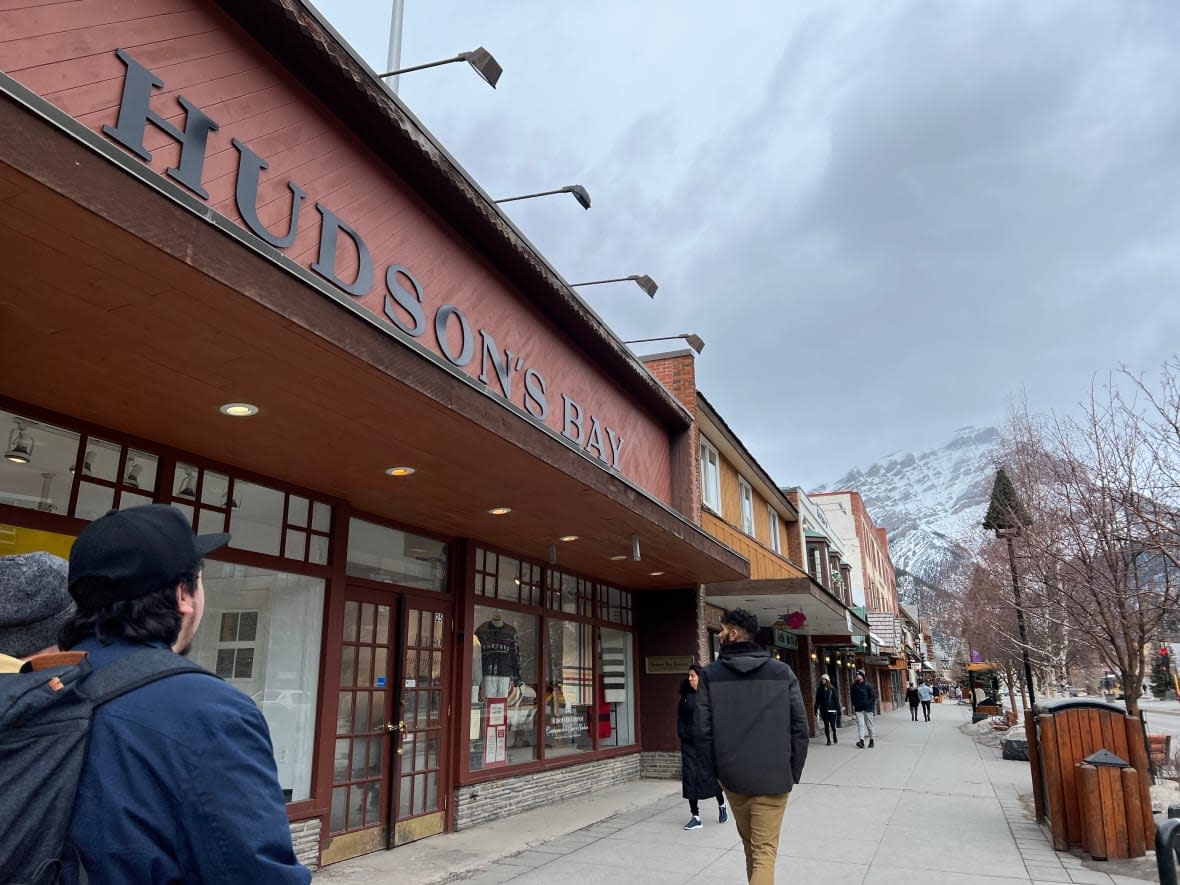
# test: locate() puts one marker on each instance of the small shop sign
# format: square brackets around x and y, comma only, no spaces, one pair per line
[784,638]
[667,664]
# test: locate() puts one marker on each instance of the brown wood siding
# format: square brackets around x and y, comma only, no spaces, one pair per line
[66,53]
[764,563]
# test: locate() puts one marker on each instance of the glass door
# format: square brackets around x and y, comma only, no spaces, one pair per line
[359,819]
[419,808]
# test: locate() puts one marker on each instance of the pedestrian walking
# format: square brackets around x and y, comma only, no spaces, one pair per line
[754,727]
[911,697]
[179,782]
[697,778]
[864,703]
[827,705]
[925,695]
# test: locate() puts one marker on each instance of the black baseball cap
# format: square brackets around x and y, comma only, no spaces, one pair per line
[135,552]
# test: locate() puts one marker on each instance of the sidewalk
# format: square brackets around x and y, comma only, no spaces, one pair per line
[926,805]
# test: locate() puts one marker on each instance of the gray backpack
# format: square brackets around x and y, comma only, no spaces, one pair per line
[45,718]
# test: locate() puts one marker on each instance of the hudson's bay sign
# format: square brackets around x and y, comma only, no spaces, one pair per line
[445,329]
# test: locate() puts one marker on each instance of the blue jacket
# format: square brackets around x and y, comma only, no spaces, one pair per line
[180,785]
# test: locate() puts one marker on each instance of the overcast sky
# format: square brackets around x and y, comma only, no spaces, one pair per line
[884,219]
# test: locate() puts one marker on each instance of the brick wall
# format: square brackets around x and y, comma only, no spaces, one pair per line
[305,834]
[677,372]
[481,803]
[660,765]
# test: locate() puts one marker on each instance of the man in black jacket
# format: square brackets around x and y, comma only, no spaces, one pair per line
[754,727]
[864,702]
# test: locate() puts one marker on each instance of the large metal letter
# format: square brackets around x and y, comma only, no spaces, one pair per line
[135,113]
[250,165]
[325,264]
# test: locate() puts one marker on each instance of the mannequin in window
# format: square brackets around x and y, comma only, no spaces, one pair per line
[499,657]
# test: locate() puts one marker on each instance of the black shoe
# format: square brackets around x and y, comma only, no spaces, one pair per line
[872,743]
[860,744]
[828,744]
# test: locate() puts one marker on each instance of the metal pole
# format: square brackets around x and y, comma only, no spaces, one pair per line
[394,59]
[1020,624]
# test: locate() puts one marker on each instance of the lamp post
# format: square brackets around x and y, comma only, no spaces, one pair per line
[580,194]
[480,59]
[1007,517]
[643,281]
[694,341]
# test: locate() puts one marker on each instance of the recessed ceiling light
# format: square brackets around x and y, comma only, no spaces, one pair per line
[500,511]
[653,574]
[619,557]
[399,471]
[239,410]
[568,538]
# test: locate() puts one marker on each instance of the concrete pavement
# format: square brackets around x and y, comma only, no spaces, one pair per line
[927,804]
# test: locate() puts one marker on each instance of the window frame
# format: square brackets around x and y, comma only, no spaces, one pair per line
[772,519]
[746,502]
[710,478]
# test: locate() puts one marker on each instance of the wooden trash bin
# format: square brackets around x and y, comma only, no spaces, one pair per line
[1083,805]
[1102,780]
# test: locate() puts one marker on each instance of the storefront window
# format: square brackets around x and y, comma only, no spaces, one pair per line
[503,688]
[570,706]
[43,463]
[617,689]
[261,633]
[391,556]
[507,578]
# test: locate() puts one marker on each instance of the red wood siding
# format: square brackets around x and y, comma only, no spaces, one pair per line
[65,51]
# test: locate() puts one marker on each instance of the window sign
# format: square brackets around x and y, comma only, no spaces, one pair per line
[569,689]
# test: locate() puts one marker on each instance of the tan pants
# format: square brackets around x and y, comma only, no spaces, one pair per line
[759,821]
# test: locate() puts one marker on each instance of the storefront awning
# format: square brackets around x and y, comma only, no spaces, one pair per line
[774,599]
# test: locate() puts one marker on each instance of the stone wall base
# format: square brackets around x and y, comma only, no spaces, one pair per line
[481,803]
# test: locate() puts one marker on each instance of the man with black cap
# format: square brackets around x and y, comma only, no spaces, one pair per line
[180,783]
[864,703]
[753,725]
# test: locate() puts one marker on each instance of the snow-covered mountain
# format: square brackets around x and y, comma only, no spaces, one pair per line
[931,504]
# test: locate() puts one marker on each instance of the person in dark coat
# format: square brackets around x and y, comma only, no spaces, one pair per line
[911,696]
[696,772]
[754,726]
[827,705]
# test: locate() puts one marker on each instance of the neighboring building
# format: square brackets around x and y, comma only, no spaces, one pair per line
[466,558]
[806,621]
[873,584]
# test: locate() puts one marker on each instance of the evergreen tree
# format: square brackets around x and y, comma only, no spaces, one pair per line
[1005,510]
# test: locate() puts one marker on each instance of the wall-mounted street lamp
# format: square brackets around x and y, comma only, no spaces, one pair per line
[580,194]
[480,59]
[694,341]
[643,281]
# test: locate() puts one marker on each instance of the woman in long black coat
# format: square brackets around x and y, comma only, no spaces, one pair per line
[696,773]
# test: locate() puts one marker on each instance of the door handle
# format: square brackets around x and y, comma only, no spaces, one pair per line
[394,729]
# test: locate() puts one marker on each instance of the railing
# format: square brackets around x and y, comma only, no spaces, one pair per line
[1165,851]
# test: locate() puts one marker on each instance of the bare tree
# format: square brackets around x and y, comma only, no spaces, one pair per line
[1101,549]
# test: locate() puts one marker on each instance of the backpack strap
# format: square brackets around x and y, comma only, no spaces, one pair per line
[134,671]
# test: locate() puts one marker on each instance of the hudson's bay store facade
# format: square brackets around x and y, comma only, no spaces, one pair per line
[209,203]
